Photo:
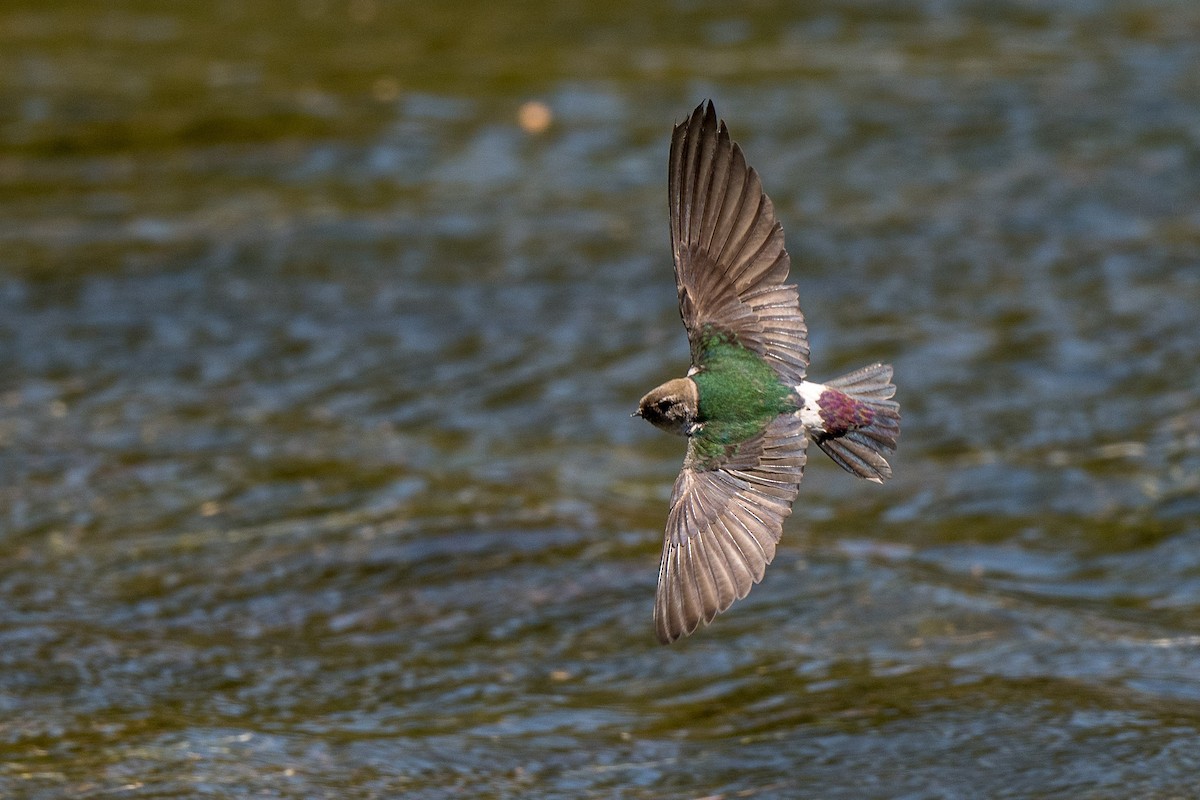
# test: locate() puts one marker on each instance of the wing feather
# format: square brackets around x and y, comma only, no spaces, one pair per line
[728,246]
[724,525]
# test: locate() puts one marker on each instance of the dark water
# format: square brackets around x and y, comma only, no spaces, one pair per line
[317,478]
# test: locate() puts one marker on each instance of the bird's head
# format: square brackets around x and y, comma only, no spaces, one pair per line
[672,407]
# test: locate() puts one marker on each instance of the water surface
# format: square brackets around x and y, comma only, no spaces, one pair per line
[317,477]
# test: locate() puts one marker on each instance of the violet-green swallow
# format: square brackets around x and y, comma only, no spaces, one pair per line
[745,408]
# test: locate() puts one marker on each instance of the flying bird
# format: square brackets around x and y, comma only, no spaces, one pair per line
[745,407]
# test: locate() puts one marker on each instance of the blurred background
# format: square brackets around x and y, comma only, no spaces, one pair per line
[320,326]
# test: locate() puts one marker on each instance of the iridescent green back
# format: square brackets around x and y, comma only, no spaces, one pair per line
[739,395]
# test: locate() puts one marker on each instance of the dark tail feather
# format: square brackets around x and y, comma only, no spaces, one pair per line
[861,435]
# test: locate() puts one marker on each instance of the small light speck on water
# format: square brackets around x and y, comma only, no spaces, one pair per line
[321,324]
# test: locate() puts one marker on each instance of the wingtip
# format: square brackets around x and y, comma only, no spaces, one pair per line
[666,633]
[706,112]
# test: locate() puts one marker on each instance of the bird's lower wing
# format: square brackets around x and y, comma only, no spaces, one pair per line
[723,527]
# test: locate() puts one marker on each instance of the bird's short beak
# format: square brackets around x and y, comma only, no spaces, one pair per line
[637,413]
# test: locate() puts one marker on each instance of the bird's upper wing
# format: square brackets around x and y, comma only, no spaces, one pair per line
[724,524]
[730,261]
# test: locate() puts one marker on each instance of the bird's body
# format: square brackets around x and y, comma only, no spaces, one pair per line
[738,395]
[745,407]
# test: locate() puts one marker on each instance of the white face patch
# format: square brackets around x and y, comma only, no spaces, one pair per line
[810,415]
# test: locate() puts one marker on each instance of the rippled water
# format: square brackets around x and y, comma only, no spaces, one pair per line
[317,477]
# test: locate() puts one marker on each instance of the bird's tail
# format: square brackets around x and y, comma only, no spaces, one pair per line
[861,421]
